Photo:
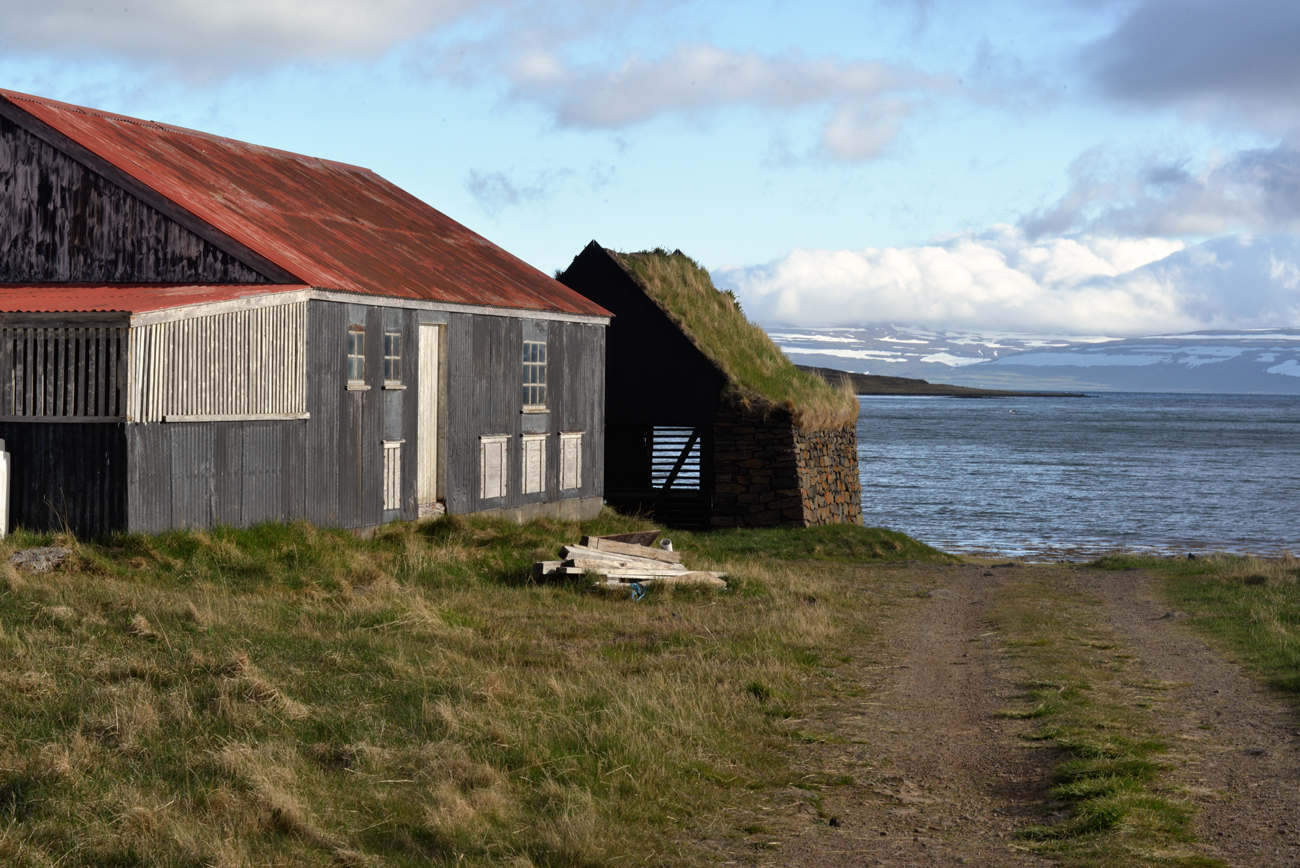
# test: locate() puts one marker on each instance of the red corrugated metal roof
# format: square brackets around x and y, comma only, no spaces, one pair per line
[120,298]
[329,224]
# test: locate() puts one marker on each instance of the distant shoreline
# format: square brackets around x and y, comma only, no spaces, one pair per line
[873,384]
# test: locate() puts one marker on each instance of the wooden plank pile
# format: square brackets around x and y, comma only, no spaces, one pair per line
[625,560]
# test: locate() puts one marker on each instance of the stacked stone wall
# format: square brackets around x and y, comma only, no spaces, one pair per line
[768,472]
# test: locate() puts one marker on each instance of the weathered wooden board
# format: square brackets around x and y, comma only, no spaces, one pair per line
[618,548]
[707,579]
[601,564]
[636,538]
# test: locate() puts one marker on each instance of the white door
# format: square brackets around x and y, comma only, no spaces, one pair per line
[428,400]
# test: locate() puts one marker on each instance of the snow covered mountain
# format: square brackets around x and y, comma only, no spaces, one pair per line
[1240,361]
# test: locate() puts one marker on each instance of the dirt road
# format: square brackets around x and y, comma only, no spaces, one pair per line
[932,776]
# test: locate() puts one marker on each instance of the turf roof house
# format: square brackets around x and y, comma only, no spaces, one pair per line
[197,331]
[707,423]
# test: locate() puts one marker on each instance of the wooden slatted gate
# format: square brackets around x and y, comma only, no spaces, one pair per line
[664,471]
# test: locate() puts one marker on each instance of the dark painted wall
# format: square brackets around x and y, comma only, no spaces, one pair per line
[67,476]
[485,396]
[654,377]
[61,222]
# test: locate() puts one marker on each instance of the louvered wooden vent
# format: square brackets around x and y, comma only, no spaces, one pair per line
[63,373]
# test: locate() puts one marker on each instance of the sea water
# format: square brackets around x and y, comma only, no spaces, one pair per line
[1074,477]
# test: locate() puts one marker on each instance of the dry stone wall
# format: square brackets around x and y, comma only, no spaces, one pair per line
[769,472]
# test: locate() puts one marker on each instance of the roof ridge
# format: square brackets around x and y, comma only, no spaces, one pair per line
[16,96]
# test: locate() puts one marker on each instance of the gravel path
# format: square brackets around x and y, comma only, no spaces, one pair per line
[938,779]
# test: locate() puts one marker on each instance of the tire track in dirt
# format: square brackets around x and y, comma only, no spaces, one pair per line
[1235,744]
[938,779]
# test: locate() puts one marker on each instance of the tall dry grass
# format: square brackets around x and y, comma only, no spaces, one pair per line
[287,695]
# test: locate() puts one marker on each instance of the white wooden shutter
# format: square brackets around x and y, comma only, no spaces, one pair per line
[571,460]
[534,458]
[392,474]
[492,465]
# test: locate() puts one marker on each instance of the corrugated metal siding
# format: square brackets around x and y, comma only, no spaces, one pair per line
[242,363]
[67,476]
[328,401]
[59,221]
[329,468]
[75,372]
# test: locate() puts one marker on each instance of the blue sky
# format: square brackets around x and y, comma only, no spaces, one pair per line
[1087,166]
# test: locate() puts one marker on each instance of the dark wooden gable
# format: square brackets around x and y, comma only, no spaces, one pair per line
[654,375]
[661,399]
[61,222]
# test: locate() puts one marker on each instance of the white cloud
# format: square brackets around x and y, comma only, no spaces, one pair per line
[865,101]
[1001,280]
[203,38]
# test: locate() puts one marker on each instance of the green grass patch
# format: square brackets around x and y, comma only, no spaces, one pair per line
[1108,803]
[287,695]
[1251,608]
[840,543]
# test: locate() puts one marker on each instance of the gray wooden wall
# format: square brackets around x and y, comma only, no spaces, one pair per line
[328,469]
[61,222]
[484,396]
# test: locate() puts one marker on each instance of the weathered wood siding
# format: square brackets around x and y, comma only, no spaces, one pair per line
[62,223]
[239,363]
[70,476]
[328,468]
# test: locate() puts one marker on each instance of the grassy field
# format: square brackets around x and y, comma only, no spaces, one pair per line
[1248,606]
[286,695]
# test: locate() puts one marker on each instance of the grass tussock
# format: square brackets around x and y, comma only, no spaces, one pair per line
[1248,605]
[1108,804]
[286,695]
[761,376]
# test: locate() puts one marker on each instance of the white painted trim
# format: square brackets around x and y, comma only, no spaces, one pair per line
[322,294]
[212,308]
[358,387]
[275,299]
[236,417]
[394,385]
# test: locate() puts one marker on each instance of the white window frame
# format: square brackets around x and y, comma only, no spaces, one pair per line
[392,362]
[570,460]
[534,376]
[532,477]
[494,449]
[355,382]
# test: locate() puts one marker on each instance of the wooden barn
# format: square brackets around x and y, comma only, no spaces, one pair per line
[707,423]
[196,331]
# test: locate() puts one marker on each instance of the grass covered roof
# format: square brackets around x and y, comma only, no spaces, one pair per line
[758,372]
